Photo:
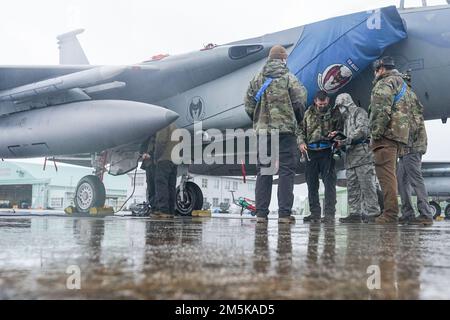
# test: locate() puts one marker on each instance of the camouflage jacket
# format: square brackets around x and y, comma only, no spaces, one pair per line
[386,118]
[418,141]
[164,144]
[317,124]
[356,128]
[282,105]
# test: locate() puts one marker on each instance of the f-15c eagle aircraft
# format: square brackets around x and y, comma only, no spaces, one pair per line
[98,116]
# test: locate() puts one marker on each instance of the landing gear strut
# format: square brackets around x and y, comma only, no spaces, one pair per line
[90,191]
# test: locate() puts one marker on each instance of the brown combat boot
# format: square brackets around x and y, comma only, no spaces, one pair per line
[161,215]
[386,219]
[422,221]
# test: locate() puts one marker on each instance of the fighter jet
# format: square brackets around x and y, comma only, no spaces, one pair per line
[97,116]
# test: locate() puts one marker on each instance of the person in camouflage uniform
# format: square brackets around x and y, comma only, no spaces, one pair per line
[389,123]
[275,102]
[409,171]
[359,167]
[148,165]
[319,122]
[165,173]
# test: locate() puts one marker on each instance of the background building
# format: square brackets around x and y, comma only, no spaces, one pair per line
[341,205]
[216,190]
[28,185]
[342,209]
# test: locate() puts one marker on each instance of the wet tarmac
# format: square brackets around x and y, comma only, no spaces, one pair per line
[220,258]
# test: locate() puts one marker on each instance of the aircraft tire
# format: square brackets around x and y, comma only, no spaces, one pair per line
[90,193]
[199,200]
[193,199]
[447,212]
[435,209]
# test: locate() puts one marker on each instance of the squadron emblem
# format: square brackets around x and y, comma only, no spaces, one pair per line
[196,110]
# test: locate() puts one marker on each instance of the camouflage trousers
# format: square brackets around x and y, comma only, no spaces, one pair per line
[385,153]
[409,175]
[362,191]
[288,160]
[150,179]
[321,165]
[165,186]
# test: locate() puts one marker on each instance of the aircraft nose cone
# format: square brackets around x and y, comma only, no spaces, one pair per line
[171,116]
[135,120]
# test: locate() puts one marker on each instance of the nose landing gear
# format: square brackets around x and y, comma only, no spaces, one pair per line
[189,197]
[90,193]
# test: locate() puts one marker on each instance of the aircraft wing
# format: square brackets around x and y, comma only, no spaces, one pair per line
[22,84]
[72,59]
[97,88]
[15,76]
[27,88]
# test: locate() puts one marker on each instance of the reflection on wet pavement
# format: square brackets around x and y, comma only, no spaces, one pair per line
[220,258]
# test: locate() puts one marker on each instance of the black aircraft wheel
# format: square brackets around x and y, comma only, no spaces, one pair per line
[199,197]
[90,193]
[447,212]
[192,199]
[435,209]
